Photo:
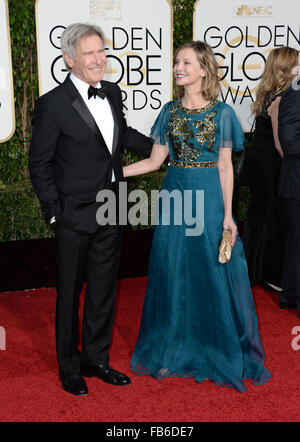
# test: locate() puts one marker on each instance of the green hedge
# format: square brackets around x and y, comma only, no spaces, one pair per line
[20,214]
[21,217]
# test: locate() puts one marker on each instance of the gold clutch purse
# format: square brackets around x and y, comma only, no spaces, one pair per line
[225,247]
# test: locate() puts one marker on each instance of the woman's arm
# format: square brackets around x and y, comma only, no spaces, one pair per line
[273,113]
[225,170]
[158,155]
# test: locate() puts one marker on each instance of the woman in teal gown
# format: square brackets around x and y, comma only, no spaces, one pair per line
[199,318]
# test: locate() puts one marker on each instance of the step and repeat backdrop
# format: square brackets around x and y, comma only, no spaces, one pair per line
[242,35]
[139,36]
[7,110]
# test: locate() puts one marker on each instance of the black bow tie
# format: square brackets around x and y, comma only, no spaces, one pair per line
[94,91]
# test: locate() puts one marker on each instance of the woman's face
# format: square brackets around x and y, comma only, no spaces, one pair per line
[187,69]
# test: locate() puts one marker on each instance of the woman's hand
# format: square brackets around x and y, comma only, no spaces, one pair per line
[158,155]
[229,224]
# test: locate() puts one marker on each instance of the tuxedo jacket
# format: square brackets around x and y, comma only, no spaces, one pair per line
[69,161]
[289,137]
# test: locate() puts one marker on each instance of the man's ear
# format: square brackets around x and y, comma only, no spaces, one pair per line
[69,60]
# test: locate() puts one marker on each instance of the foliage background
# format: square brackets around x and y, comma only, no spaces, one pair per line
[20,214]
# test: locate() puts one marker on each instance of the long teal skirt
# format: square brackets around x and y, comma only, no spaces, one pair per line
[199,318]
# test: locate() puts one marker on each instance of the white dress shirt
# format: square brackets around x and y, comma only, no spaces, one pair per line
[101,111]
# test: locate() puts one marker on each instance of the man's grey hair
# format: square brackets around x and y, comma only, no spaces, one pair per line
[73,34]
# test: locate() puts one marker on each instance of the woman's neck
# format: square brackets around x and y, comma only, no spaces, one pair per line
[193,100]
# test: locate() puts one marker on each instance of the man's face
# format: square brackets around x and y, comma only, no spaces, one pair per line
[89,62]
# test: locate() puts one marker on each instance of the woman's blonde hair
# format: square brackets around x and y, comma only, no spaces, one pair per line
[277,75]
[210,83]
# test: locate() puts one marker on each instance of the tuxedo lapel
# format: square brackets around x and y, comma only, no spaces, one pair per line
[81,108]
[116,126]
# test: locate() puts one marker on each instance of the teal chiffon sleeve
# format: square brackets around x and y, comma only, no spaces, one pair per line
[231,133]
[159,130]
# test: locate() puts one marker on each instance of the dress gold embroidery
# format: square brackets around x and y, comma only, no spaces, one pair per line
[206,130]
[181,135]
[183,129]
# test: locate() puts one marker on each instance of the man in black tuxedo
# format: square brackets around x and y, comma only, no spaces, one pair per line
[289,190]
[75,152]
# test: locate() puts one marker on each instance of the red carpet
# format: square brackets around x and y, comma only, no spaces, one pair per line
[30,390]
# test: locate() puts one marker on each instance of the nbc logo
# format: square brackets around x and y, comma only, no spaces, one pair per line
[251,10]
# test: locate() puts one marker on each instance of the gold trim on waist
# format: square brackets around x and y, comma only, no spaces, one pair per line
[194,164]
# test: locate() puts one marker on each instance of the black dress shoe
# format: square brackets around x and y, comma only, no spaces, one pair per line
[106,373]
[287,305]
[73,383]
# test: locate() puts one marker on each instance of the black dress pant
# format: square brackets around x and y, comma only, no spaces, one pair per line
[291,264]
[94,259]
